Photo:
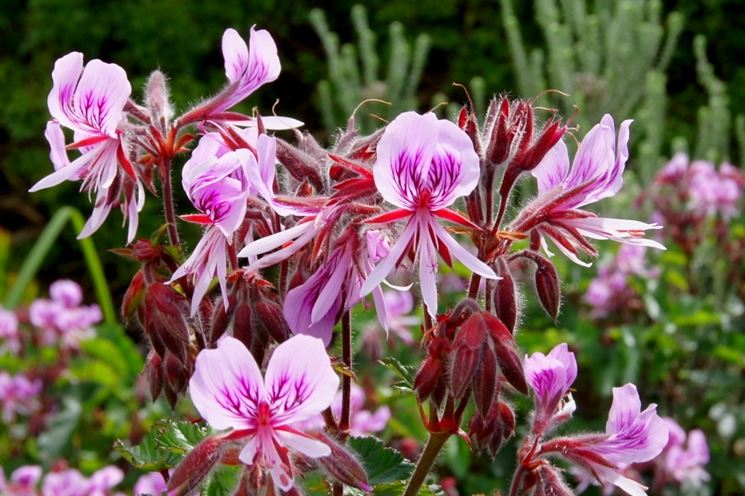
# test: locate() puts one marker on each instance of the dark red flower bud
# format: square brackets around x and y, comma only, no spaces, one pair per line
[175,372]
[242,324]
[220,321]
[427,376]
[270,314]
[505,295]
[300,164]
[506,353]
[195,466]
[154,374]
[165,311]
[466,351]
[485,385]
[134,295]
[547,286]
[342,465]
[143,250]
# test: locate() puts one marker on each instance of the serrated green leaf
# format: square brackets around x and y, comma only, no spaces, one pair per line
[222,481]
[404,372]
[381,463]
[164,446]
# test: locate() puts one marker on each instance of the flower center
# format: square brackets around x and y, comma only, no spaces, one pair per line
[264,414]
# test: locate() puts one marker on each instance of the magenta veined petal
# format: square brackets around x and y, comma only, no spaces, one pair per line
[553,168]
[300,381]
[227,387]
[248,67]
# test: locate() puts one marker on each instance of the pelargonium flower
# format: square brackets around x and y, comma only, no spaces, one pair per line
[247,67]
[631,436]
[596,173]
[551,376]
[62,319]
[228,390]
[151,484]
[9,338]
[68,482]
[23,481]
[18,395]
[90,101]
[685,457]
[362,422]
[313,307]
[219,181]
[423,165]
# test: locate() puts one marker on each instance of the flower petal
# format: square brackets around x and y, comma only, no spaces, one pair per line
[299,380]
[458,251]
[305,445]
[553,168]
[227,387]
[385,266]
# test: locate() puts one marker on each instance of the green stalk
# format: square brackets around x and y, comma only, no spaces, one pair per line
[43,246]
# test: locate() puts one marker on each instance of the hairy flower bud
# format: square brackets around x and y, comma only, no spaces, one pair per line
[154,374]
[505,295]
[506,353]
[299,164]
[195,466]
[547,286]
[550,483]
[466,351]
[242,324]
[432,368]
[157,98]
[342,465]
[175,372]
[270,314]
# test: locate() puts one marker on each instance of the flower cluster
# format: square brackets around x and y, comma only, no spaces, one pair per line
[610,292]
[632,435]
[62,319]
[296,235]
[19,395]
[29,480]
[687,195]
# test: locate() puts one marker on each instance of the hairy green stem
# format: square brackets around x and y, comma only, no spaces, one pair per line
[434,444]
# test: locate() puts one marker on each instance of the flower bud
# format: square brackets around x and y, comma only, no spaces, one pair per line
[164,319]
[195,466]
[506,353]
[134,295]
[466,351]
[505,295]
[242,325]
[342,465]
[299,164]
[270,314]
[175,372]
[547,287]
[432,368]
[154,374]
[157,97]
[485,386]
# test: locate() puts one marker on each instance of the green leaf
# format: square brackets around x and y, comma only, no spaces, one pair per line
[404,372]
[222,481]
[166,443]
[381,463]
[60,429]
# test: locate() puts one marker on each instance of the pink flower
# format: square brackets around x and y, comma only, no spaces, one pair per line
[247,67]
[313,307]
[228,390]
[18,395]
[363,422]
[103,481]
[151,484]
[685,458]
[551,376]
[62,319]
[423,165]
[219,181]
[90,101]
[631,436]
[23,481]
[597,173]
[69,482]
[9,337]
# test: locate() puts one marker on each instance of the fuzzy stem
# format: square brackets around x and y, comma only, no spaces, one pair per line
[346,380]
[517,480]
[434,444]
[170,211]
[473,287]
